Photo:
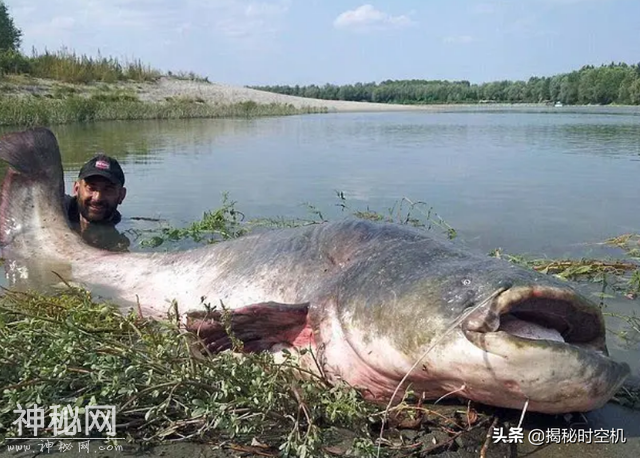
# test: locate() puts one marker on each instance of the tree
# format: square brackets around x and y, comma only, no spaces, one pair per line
[10,35]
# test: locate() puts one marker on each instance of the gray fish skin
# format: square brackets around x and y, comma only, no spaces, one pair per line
[368,299]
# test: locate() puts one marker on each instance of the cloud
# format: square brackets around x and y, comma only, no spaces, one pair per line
[366,17]
[245,24]
[484,8]
[247,20]
[459,39]
[92,14]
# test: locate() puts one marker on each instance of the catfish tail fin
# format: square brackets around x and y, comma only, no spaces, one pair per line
[33,189]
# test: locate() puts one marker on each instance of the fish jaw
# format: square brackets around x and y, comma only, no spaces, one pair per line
[502,361]
[547,376]
[546,345]
[551,377]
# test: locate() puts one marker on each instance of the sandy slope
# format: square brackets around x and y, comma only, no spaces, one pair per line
[226,94]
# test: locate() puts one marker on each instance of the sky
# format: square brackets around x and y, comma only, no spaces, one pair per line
[268,42]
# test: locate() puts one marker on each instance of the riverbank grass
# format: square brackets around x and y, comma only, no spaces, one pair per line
[67,66]
[63,87]
[35,110]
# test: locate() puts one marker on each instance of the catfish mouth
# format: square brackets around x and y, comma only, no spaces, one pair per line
[541,314]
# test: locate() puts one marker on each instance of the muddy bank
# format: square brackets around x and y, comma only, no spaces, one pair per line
[613,431]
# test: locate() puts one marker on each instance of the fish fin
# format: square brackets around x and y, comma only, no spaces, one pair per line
[34,152]
[33,183]
[256,327]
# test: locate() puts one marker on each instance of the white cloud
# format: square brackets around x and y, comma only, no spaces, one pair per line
[484,8]
[250,19]
[247,24]
[458,39]
[63,22]
[366,17]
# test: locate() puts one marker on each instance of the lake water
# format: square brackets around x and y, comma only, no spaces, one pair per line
[539,182]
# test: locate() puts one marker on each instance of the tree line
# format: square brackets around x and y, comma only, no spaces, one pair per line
[603,85]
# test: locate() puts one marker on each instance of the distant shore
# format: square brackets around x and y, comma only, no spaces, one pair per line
[227,94]
[28,101]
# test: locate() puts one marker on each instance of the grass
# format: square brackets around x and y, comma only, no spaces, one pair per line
[70,67]
[68,349]
[615,278]
[31,110]
[228,222]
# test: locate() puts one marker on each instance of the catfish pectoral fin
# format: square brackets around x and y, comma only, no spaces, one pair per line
[257,326]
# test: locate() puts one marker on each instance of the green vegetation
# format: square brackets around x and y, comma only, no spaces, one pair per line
[25,101]
[71,68]
[91,90]
[67,350]
[228,222]
[607,84]
[10,35]
[28,111]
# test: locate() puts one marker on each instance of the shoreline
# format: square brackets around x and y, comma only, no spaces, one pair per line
[28,101]
[222,93]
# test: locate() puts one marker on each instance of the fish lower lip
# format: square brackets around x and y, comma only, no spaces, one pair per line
[540,313]
[500,343]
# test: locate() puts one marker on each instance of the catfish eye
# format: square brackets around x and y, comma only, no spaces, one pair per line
[466,282]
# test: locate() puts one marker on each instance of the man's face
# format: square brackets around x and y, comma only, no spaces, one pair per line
[98,198]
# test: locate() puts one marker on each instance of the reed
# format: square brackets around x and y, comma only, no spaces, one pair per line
[37,110]
[70,67]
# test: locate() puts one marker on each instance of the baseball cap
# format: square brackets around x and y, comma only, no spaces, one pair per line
[104,166]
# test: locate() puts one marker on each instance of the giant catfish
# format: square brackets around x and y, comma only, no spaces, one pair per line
[369,299]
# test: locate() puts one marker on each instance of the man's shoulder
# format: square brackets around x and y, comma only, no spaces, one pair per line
[71,208]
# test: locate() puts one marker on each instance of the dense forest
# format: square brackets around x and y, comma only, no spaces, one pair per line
[607,84]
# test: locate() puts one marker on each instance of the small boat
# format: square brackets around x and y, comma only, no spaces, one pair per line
[558,104]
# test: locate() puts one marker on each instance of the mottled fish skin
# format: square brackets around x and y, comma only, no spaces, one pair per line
[368,298]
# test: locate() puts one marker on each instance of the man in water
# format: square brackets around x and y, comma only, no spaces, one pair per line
[93,208]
